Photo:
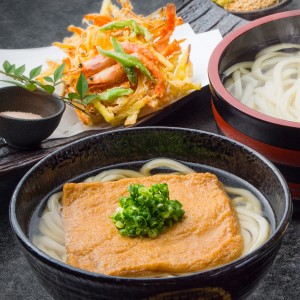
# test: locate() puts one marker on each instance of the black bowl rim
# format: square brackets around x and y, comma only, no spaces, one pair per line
[262,10]
[30,247]
[61,107]
[215,80]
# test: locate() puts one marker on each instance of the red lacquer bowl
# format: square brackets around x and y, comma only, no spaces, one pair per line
[277,139]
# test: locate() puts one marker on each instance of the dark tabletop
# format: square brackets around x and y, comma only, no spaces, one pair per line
[37,23]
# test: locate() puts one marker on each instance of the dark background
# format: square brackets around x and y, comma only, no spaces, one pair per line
[38,23]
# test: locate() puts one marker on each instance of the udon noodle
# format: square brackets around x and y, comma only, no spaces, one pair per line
[255,228]
[271,83]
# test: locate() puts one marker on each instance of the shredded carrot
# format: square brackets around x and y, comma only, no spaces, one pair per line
[75,29]
[172,48]
[144,39]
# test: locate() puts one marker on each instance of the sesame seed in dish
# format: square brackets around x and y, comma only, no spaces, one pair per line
[21,115]
[249,5]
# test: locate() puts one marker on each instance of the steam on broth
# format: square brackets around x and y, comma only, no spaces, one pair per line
[271,83]
[254,227]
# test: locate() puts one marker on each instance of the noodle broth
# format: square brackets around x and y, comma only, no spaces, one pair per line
[226,178]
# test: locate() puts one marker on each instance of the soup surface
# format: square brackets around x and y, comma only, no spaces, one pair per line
[48,233]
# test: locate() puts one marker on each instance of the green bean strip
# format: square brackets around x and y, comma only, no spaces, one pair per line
[130,71]
[134,27]
[109,94]
[127,60]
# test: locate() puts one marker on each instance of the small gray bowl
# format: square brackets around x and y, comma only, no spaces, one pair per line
[28,133]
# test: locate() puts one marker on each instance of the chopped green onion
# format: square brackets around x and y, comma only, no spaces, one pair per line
[146,212]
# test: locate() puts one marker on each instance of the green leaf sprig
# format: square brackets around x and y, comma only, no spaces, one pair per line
[29,82]
[146,212]
[80,97]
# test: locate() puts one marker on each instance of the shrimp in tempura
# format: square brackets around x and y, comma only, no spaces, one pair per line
[121,49]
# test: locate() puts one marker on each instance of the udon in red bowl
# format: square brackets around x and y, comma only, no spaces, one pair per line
[275,138]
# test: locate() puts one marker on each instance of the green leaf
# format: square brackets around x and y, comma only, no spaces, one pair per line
[58,73]
[48,88]
[35,72]
[6,66]
[19,71]
[30,87]
[73,96]
[11,69]
[48,79]
[82,86]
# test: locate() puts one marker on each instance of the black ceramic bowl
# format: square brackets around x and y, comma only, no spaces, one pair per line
[129,146]
[275,138]
[27,133]
[255,14]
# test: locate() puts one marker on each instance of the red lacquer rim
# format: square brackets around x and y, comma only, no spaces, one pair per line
[275,154]
[213,68]
[295,191]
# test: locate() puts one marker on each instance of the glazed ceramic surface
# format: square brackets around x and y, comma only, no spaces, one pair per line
[128,147]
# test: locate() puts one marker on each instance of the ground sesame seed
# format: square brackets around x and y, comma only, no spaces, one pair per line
[249,5]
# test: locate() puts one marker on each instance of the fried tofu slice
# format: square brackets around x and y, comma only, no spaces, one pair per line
[208,236]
